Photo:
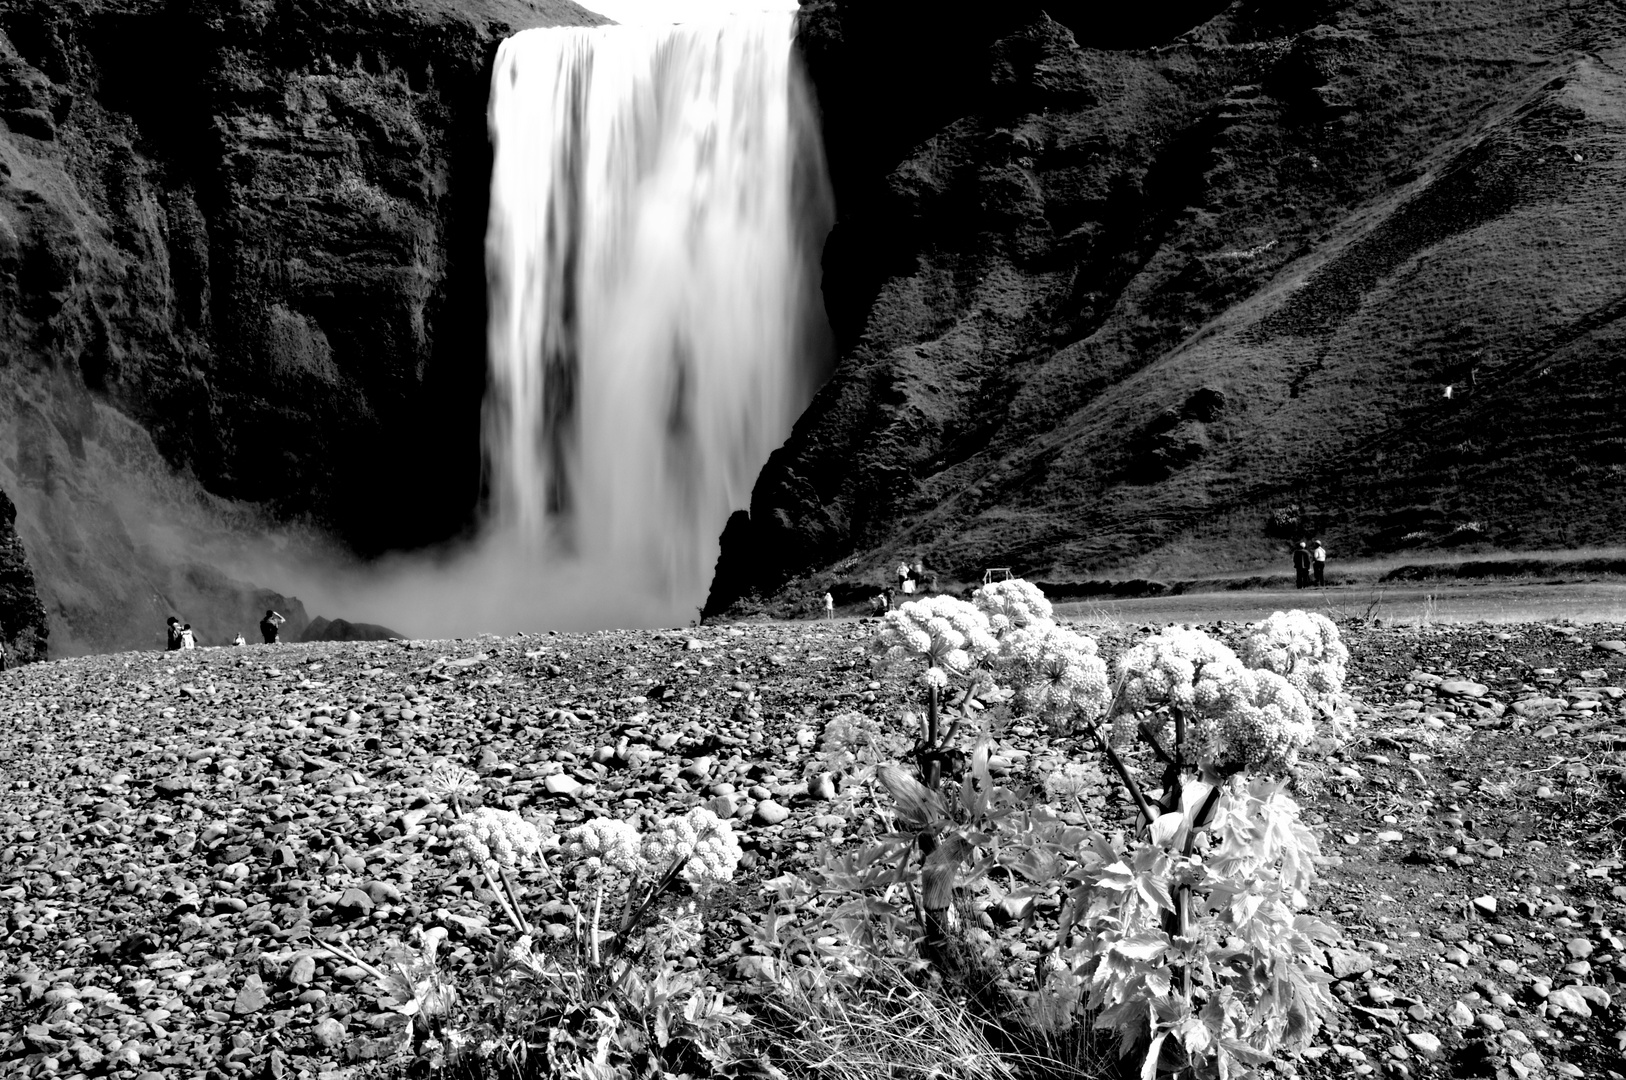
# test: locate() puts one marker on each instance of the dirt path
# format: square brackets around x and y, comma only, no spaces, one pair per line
[1500,602]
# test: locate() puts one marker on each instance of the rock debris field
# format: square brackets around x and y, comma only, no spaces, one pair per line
[182,831]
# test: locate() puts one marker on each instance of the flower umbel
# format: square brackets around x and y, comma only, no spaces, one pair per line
[1020,603]
[938,632]
[499,837]
[1057,673]
[701,837]
[1302,647]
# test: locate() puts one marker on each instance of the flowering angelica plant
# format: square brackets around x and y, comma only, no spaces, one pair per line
[1012,604]
[1227,716]
[1306,650]
[1057,673]
[949,639]
[498,839]
[939,632]
[701,843]
[607,847]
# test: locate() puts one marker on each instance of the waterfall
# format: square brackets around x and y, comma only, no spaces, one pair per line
[658,202]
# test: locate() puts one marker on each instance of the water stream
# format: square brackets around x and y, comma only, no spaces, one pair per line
[658,204]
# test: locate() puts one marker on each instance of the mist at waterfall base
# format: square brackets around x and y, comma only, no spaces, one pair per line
[658,206]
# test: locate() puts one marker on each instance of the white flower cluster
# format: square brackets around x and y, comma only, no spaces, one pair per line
[448,781]
[1057,673]
[499,837]
[1249,719]
[1165,668]
[606,844]
[853,738]
[1012,604]
[1302,647]
[939,632]
[1236,717]
[704,838]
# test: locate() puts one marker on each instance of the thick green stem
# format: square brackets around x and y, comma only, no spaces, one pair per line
[932,772]
[1182,894]
[1145,808]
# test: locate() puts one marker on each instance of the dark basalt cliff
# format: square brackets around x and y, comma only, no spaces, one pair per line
[22,617]
[1148,298]
[241,283]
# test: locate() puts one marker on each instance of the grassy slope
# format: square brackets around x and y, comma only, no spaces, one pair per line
[1431,226]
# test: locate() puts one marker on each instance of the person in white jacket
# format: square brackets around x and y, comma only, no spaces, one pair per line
[1318,563]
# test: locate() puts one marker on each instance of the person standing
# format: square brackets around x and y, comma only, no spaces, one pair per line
[829,606]
[1301,566]
[187,640]
[1318,560]
[268,626]
[173,630]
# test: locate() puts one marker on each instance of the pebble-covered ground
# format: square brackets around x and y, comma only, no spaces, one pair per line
[182,830]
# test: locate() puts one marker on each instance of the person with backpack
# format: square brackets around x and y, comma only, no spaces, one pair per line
[1318,560]
[173,632]
[187,640]
[268,626]
[1301,566]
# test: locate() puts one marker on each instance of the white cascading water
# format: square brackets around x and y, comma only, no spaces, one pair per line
[658,200]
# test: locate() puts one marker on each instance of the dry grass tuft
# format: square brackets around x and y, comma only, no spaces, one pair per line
[892,1026]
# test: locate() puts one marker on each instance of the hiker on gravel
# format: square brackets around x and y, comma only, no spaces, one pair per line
[829,606]
[1301,565]
[173,629]
[238,640]
[268,626]
[187,640]
[1318,559]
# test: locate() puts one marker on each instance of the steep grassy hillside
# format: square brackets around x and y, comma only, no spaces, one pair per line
[1157,310]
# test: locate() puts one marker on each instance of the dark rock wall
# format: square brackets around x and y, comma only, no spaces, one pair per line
[256,228]
[1111,294]
[23,630]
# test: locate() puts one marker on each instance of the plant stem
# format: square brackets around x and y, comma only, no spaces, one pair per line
[668,879]
[592,938]
[1182,893]
[1118,766]
[498,885]
[931,768]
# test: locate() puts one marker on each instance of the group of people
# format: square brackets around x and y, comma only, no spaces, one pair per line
[911,578]
[180,634]
[1308,561]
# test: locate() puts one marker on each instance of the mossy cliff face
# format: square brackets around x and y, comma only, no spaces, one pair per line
[23,630]
[241,277]
[1116,299]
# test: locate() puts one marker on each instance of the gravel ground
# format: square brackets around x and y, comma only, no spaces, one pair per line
[183,830]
